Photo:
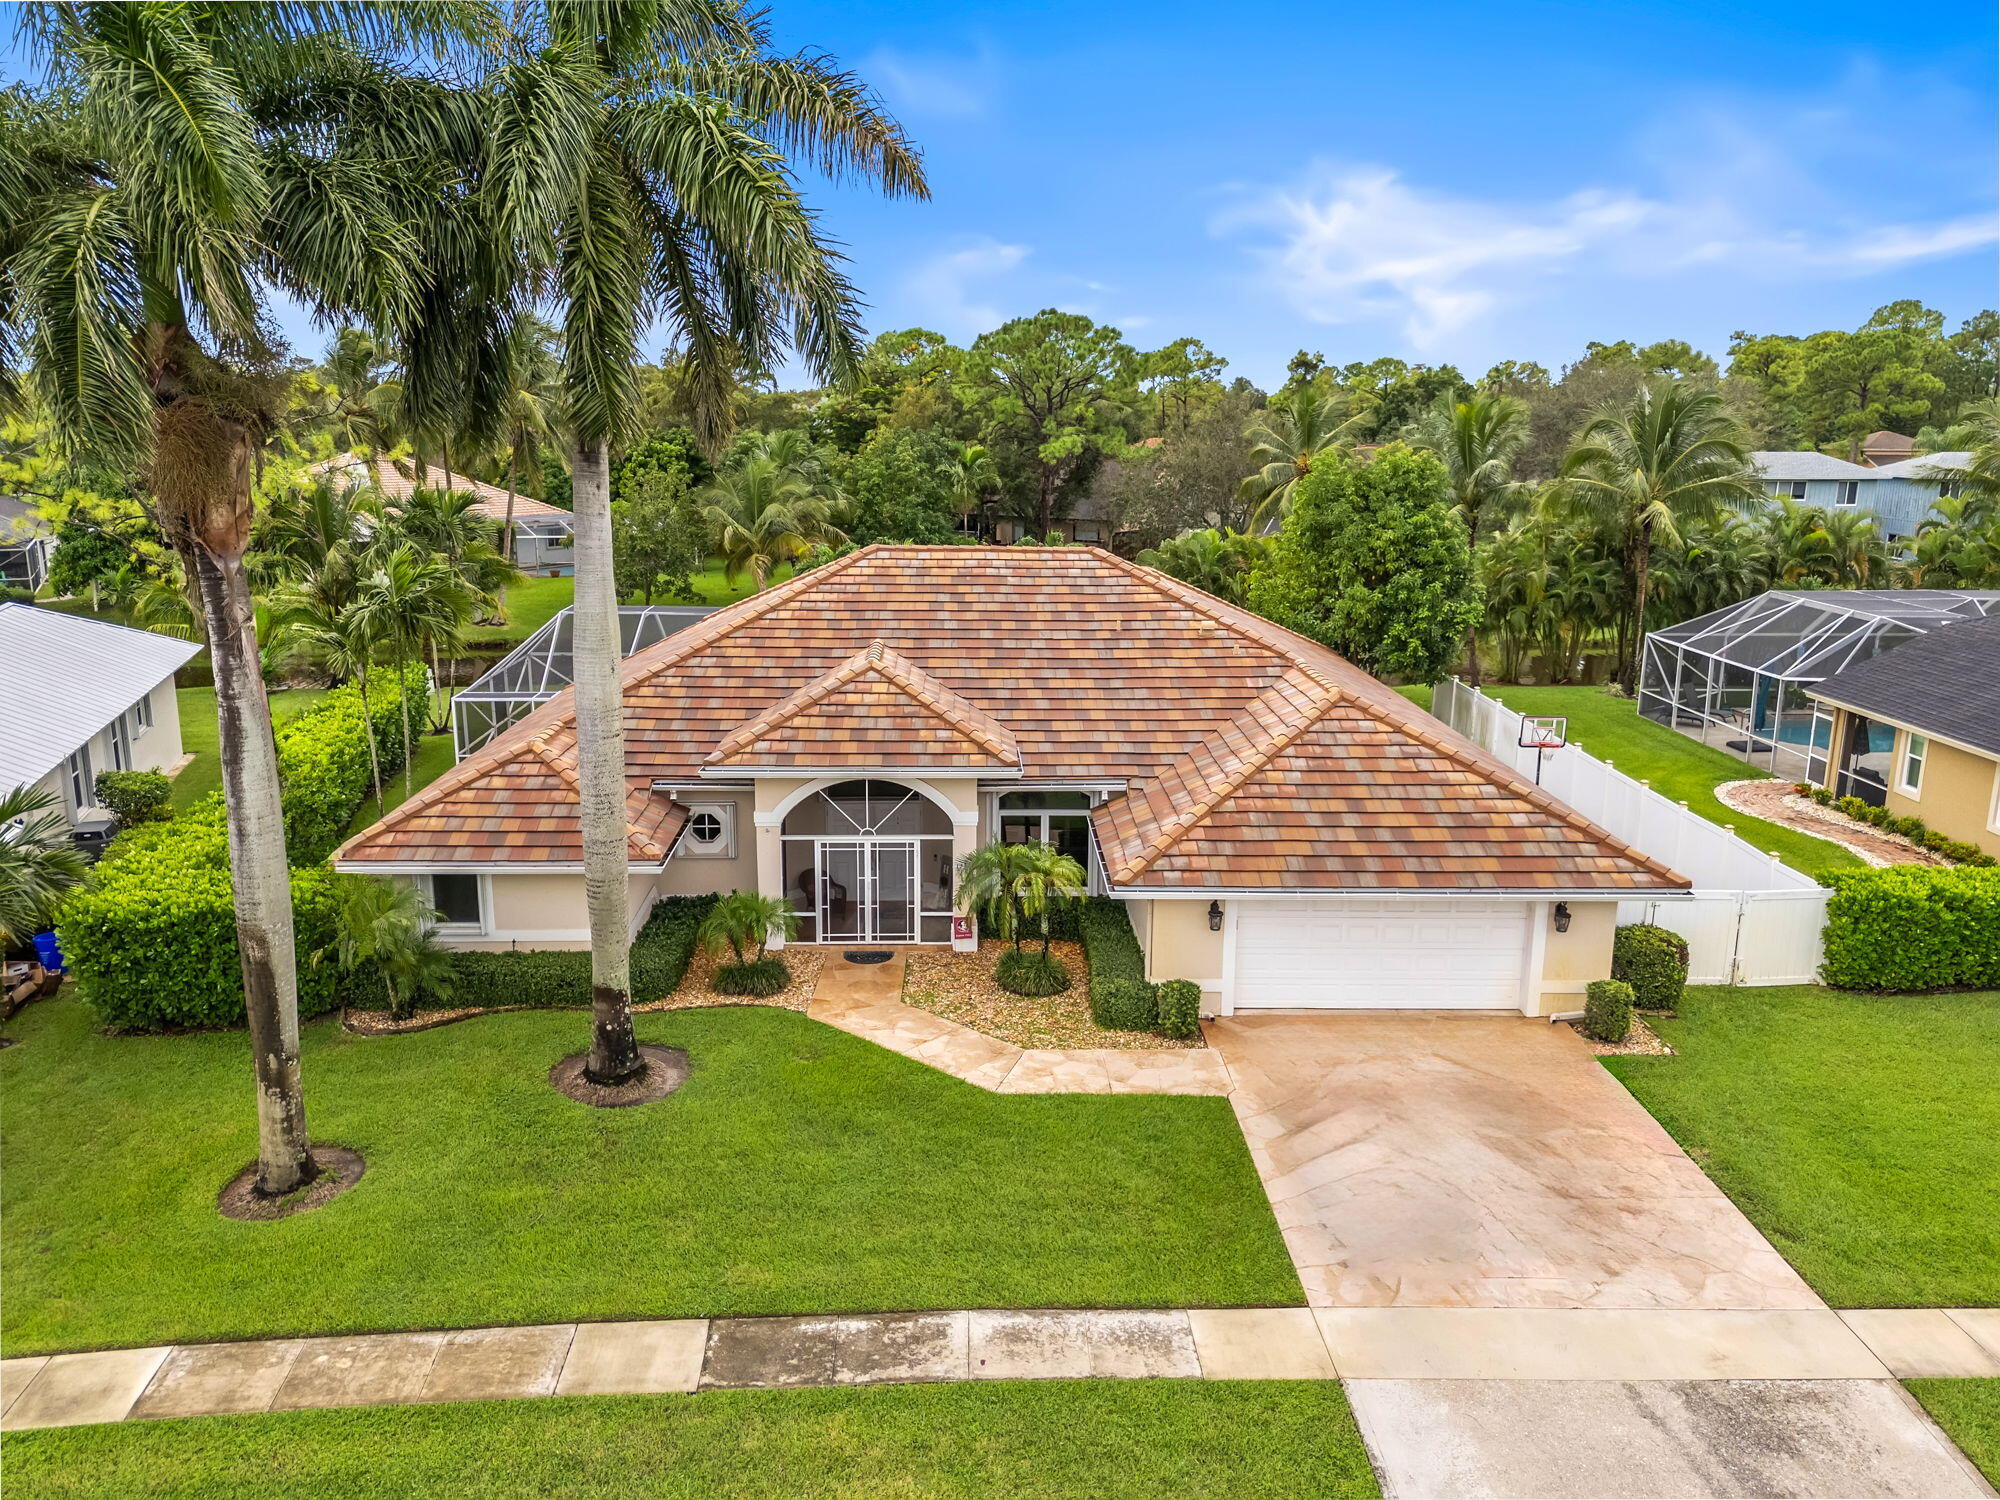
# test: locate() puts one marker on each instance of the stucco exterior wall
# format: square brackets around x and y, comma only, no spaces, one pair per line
[1955,795]
[1570,960]
[545,911]
[690,874]
[153,749]
[1178,944]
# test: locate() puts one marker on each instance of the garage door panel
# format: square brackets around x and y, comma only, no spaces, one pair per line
[1373,953]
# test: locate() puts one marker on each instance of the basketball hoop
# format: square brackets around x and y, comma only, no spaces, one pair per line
[1542,733]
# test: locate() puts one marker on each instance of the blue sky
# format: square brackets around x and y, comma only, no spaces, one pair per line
[1437,181]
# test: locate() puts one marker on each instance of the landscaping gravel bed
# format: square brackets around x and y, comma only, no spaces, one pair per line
[960,987]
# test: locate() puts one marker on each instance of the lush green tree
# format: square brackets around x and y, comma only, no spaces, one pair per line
[744,923]
[972,479]
[1852,384]
[1372,562]
[38,862]
[1388,394]
[1477,440]
[671,453]
[1217,562]
[899,488]
[188,160]
[1977,345]
[763,516]
[1180,381]
[1190,478]
[1054,383]
[1671,455]
[386,926]
[659,537]
[1287,441]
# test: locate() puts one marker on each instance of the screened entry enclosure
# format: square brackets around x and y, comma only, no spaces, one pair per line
[869,862]
[1738,678]
[542,666]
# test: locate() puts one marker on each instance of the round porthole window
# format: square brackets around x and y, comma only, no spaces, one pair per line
[704,828]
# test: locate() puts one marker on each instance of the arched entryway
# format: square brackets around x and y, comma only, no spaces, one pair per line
[869,862]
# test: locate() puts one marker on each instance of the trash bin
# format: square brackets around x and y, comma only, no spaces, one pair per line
[49,951]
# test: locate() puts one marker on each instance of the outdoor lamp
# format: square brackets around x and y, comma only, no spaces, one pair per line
[1562,916]
[1215,916]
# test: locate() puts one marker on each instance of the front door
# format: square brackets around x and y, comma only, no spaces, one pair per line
[867,890]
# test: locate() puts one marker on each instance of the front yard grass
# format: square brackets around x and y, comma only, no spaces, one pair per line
[201,737]
[1861,1133]
[1969,1411]
[1187,1438]
[1679,768]
[799,1170]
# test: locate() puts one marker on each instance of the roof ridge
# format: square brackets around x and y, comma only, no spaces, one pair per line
[1180,592]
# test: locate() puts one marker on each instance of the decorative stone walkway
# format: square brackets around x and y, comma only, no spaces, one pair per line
[865,1000]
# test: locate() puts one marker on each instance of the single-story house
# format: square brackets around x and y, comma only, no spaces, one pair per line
[85,696]
[543,533]
[1918,731]
[1284,829]
[26,545]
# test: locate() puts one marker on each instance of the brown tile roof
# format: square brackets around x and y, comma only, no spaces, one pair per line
[397,479]
[1255,757]
[875,709]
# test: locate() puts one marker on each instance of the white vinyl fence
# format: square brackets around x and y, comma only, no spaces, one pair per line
[1751,919]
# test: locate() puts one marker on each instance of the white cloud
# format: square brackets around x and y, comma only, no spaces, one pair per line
[941,290]
[955,87]
[1353,243]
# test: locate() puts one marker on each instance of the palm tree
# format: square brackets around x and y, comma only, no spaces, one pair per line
[743,922]
[635,167]
[970,478]
[387,925]
[528,424]
[1295,430]
[1672,454]
[37,862]
[1043,877]
[1477,439]
[989,884]
[765,516]
[448,526]
[343,640]
[1217,562]
[187,159]
[409,600]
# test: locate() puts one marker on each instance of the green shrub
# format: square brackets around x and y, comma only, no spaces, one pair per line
[1124,1005]
[1854,807]
[323,760]
[1025,971]
[1607,1009]
[760,977]
[1909,828]
[1110,950]
[134,797]
[1178,1002]
[1823,796]
[1913,927]
[1654,961]
[1879,816]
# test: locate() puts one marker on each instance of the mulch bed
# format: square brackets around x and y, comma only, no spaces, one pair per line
[961,987]
[1640,1041]
[695,990]
[339,1170]
[666,1070]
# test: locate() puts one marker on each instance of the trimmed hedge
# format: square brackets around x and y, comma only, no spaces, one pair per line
[1179,1005]
[1913,927]
[1654,961]
[1109,947]
[1024,971]
[1607,1009]
[1124,1005]
[553,978]
[134,797]
[323,760]
[760,977]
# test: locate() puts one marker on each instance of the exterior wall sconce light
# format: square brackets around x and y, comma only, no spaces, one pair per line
[1562,916]
[1215,916]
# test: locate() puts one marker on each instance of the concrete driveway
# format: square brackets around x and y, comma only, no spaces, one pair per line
[1530,1290]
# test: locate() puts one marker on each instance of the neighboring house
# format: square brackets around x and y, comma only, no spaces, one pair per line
[1899,495]
[85,696]
[1088,522]
[1283,829]
[543,533]
[1880,448]
[1919,732]
[26,545]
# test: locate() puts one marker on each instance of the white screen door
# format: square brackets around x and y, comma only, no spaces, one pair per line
[867,891]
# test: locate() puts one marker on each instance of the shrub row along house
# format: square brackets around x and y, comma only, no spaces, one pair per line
[1283,829]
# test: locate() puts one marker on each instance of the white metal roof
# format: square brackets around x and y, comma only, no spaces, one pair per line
[1808,466]
[1920,466]
[64,677]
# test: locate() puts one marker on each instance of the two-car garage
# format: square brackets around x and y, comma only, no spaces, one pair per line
[1370,953]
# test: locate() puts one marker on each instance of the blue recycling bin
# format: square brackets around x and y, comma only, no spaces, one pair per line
[49,951]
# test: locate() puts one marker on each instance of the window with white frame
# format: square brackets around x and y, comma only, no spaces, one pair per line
[142,716]
[1796,488]
[120,739]
[1993,807]
[710,832]
[1847,492]
[460,902]
[1910,769]
[77,780]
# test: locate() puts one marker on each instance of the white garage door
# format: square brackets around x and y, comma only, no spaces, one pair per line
[1363,953]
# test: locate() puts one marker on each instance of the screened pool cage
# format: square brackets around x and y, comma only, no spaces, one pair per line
[543,665]
[1738,678]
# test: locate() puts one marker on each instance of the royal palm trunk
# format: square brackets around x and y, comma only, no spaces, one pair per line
[600,736]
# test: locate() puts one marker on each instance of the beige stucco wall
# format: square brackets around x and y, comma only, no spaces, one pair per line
[545,911]
[1954,796]
[1570,960]
[699,874]
[1178,944]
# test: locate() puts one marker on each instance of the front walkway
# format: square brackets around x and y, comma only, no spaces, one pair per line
[1531,1291]
[866,1000]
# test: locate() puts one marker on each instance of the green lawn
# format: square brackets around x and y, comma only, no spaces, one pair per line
[1860,1133]
[1970,1411]
[1678,767]
[434,757]
[799,1170]
[200,735]
[1078,1439]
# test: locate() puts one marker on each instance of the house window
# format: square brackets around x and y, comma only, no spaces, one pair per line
[142,716]
[711,829]
[1086,531]
[76,773]
[1847,492]
[1796,488]
[1058,818]
[1910,771]
[120,740]
[460,903]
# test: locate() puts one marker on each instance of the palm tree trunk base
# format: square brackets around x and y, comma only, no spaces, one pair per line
[329,1172]
[661,1070]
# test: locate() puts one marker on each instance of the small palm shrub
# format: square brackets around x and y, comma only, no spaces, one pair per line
[1654,961]
[1179,1005]
[743,922]
[760,977]
[1607,1009]
[1022,971]
[1124,1005]
[134,797]
[386,925]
